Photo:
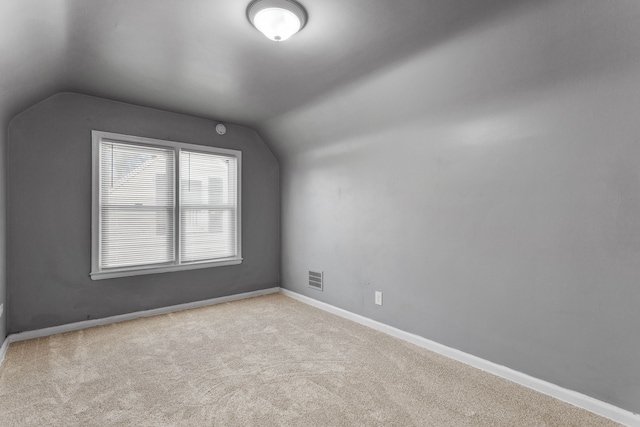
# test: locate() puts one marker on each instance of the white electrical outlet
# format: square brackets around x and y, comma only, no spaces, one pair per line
[378,298]
[1,309]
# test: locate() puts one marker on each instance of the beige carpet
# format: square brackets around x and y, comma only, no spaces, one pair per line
[258,362]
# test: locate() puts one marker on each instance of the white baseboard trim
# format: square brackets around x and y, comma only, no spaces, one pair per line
[39,333]
[3,350]
[572,397]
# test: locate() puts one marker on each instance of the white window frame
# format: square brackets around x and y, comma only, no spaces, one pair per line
[97,272]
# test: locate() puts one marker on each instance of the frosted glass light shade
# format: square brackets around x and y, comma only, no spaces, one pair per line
[277,19]
[276,24]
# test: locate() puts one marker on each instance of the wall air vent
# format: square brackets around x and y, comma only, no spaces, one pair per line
[316,280]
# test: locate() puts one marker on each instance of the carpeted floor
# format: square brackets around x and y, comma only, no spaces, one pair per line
[258,362]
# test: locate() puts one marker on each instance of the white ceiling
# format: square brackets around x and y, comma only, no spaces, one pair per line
[203,58]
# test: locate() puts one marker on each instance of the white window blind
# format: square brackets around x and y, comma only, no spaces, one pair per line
[136,205]
[208,206]
[151,214]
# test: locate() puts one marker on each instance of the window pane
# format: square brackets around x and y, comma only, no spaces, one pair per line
[131,237]
[136,205]
[208,193]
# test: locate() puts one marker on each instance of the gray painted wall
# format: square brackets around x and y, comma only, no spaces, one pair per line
[490,187]
[3,239]
[49,214]
[30,66]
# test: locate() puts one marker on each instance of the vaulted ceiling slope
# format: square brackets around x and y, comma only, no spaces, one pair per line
[478,80]
[203,58]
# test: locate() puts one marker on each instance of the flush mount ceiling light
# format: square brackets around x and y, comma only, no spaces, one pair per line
[277,19]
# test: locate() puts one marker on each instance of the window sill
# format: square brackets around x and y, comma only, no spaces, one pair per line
[110,274]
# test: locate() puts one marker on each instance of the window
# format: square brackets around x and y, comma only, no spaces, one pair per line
[162,206]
